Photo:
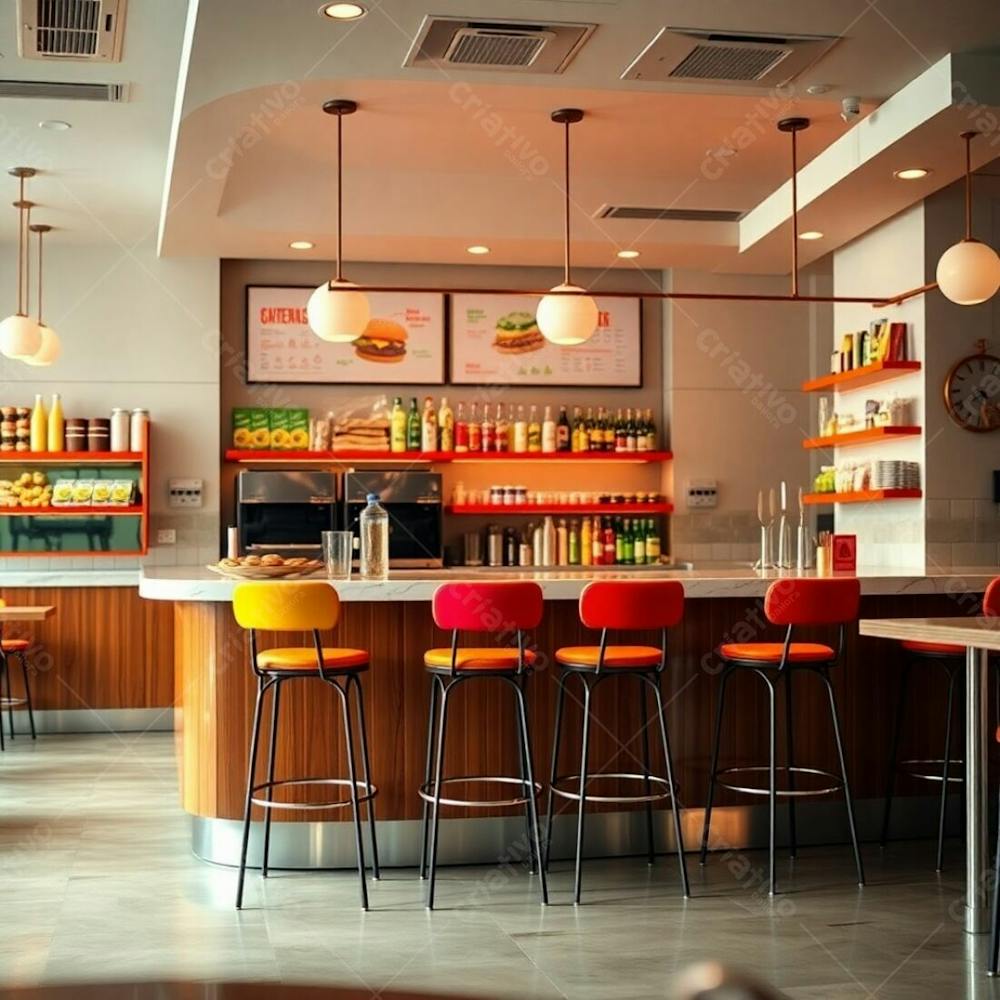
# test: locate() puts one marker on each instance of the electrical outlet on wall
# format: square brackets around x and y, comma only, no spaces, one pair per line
[702,493]
[166,536]
[184,492]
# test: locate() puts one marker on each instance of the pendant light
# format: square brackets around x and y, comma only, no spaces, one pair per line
[50,348]
[567,319]
[335,311]
[969,272]
[19,334]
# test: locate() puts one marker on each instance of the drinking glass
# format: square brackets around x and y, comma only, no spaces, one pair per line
[338,551]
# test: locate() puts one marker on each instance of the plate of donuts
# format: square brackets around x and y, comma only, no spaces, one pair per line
[269,566]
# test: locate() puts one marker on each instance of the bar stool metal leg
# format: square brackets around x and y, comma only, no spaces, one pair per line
[4,660]
[525,743]
[10,698]
[272,747]
[714,767]
[772,788]
[824,674]
[674,803]
[251,769]
[993,962]
[526,791]
[359,693]
[352,772]
[946,760]
[27,693]
[897,726]
[438,770]
[644,720]
[790,755]
[581,811]
[553,772]
[428,770]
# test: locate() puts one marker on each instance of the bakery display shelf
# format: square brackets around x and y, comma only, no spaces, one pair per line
[859,378]
[870,435]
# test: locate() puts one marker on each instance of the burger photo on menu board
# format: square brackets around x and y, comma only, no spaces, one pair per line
[518,333]
[384,341]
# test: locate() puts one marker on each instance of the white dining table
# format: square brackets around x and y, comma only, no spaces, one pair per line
[980,637]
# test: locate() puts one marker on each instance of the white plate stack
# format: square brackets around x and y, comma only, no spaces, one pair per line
[895,475]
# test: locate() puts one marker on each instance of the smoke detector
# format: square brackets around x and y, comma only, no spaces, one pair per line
[77,30]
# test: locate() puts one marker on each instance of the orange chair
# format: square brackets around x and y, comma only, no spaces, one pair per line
[951,660]
[10,648]
[500,609]
[654,605]
[791,603]
[302,607]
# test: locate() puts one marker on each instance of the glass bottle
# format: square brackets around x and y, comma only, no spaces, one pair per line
[534,431]
[650,431]
[520,431]
[502,431]
[373,526]
[461,430]
[56,429]
[413,431]
[586,542]
[548,431]
[573,543]
[563,431]
[475,429]
[446,426]
[630,432]
[428,427]
[620,444]
[397,424]
[487,430]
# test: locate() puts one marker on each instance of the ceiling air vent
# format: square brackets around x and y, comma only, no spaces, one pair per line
[726,57]
[79,30]
[112,93]
[668,214]
[505,46]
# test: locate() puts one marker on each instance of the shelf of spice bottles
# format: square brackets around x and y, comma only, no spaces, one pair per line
[441,457]
[570,509]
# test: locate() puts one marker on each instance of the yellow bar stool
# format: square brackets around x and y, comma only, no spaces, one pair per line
[302,607]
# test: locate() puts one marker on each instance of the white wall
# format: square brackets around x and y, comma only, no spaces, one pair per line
[135,331]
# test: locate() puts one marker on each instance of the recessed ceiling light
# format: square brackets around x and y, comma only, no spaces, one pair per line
[811,234]
[55,125]
[301,245]
[477,249]
[911,173]
[819,88]
[343,11]
[628,254]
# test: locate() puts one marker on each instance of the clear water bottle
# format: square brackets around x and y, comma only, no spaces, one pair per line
[374,531]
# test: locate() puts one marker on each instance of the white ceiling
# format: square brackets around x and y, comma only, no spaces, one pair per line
[425,173]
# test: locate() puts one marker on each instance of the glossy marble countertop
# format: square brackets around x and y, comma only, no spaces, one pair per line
[195,583]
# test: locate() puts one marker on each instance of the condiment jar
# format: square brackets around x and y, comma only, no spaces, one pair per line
[76,434]
[137,430]
[98,434]
[120,426]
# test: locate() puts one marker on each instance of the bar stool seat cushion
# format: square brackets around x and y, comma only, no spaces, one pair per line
[15,645]
[303,659]
[932,648]
[771,652]
[477,658]
[586,657]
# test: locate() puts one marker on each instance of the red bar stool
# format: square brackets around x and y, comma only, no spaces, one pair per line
[629,606]
[302,607]
[499,609]
[791,603]
[9,650]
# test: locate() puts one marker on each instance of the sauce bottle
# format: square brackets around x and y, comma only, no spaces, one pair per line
[548,431]
[397,426]
[428,427]
[586,543]
[609,542]
[461,430]
[475,429]
[446,425]
[562,543]
[487,431]
[534,431]
[563,431]
[520,432]
[502,431]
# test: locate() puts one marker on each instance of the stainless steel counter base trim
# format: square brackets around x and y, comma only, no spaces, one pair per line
[501,841]
[94,720]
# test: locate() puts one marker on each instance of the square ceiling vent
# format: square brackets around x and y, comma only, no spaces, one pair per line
[726,57]
[78,30]
[501,46]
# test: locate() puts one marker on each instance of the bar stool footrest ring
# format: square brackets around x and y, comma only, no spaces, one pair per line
[653,779]
[369,792]
[426,791]
[909,767]
[12,702]
[780,792]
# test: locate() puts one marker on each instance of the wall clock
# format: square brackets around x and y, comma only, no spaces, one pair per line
[972,391]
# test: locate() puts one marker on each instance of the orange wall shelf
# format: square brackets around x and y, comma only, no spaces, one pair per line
[614,509]
[859,378]
[862,496]
[870,435]
[440,457]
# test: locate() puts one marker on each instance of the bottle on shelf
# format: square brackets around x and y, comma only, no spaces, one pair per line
[534,431]
[550,541]
[548,431]
[562,543]
[525,556]
[538,545]
[619,558]
[56,435]
[650,432]
[573,543]
[609,432]
[520,432]
[589,437]
[501,439]
[631,440]
[487,430]
[413,429]
[461,430]
[373,526]
[620,440]
[563,431]
[586,542]
[446,426]
[510,427]
[653,547]
[475,429]
[628,545]
[639,542]
[428,427]
[397,426]
[610,544]
[576,432]
[39,426]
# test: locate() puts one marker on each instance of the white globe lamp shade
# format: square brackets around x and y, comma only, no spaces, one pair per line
[20,337]
[567,320]
[49,351]
[969,273]
[338,314]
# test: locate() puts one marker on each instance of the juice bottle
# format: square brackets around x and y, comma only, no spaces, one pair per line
[534,431]
[56,430]
[428,427]
[39,426]
[610,547]
[586,543]
[502,431]
[397,426]
[520,431]
[597,543]
[487,431]
[573,543]
[548,431]
[562,543]
[461,430]
[475,429]
[446,425]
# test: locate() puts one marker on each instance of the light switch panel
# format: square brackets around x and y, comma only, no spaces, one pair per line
[184,492]
[702,493]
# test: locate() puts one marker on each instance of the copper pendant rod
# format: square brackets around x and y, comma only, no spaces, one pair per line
[20,249]
[27,258]
[795,217]
[968,137]
[566,208]
[896,300]
[340,107]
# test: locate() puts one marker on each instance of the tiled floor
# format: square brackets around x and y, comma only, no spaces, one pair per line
[99,884]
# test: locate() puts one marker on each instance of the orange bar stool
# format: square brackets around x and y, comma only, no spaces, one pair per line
[302,607]
[791,603]
[497,608]
[14,649]
[629,606]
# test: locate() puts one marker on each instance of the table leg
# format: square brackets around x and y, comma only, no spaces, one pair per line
[977,855]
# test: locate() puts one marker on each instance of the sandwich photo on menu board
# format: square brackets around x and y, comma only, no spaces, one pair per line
[518,333]
[383,342]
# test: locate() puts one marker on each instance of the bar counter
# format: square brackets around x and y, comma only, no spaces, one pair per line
[215,688]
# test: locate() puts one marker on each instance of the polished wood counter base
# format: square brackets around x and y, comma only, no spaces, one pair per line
[215,691]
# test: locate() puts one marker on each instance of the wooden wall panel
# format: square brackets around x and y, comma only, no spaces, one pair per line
[216,689]
[105,647]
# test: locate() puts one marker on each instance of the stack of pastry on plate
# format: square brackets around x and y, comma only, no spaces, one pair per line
[361,434]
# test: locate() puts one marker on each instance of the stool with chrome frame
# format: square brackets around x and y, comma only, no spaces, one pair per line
[14,648]
[302,607]
[630,606]
[491,608]
[791,602]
